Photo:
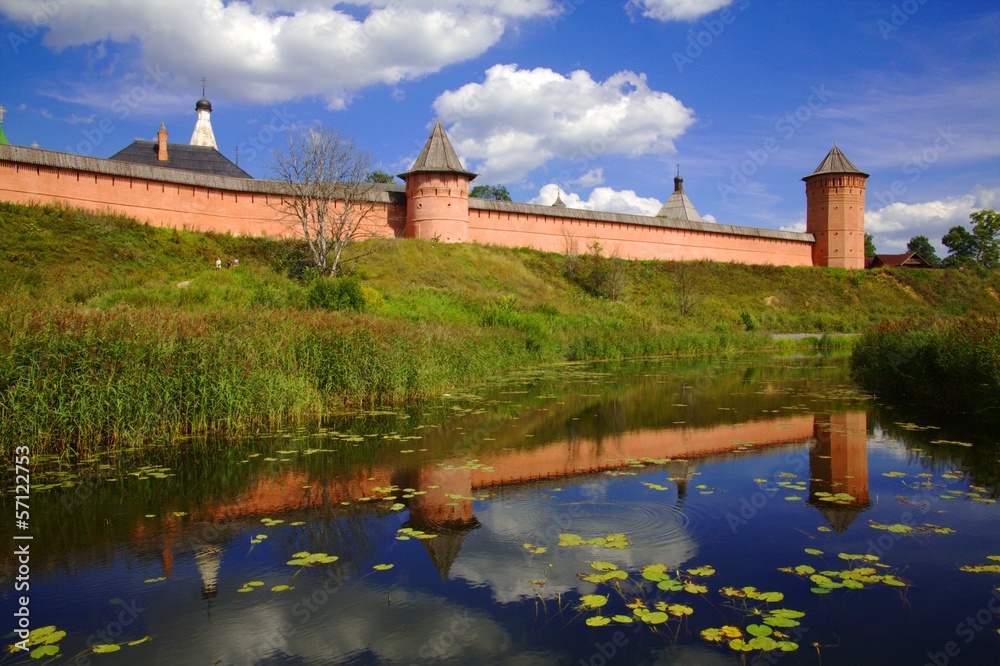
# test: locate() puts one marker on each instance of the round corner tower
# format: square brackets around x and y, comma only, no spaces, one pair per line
[437,192]
[835,212]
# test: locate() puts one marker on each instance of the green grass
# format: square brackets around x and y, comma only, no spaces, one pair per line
[117,332]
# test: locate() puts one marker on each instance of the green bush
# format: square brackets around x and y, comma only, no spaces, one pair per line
[343,293]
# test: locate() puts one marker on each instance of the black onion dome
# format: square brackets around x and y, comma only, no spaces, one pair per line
[203,105]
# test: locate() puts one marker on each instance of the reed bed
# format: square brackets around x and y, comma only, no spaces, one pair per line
[951,364]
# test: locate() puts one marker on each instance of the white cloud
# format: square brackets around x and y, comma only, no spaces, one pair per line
[894,225]
[675,10]
[603,199]
[592,178]
[274,50]
[709,218]
[517,120]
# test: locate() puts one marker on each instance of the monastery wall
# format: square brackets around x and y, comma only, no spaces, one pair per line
[633,236]
[163,197]
[197,202]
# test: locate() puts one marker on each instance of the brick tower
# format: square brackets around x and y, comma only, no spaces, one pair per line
[835,212]
[437,192]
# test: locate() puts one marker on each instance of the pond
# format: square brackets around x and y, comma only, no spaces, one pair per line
[756,510]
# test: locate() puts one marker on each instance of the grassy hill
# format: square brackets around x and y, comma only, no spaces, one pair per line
[112,330]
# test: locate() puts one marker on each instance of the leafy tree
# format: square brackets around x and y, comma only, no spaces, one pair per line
[328,195]
[379,176]
[922,246]
[980,247]
[961,247]
[869,246]
[494,192]
[986,229]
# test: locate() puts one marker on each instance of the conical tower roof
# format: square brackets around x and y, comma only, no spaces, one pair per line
[836,162]
[678,206]
[558,203]
[438,156]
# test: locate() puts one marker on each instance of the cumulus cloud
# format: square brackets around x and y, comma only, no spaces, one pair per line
[592,178]
[894,225]
[675,10]
[274,50]
[517,120]
[603,199]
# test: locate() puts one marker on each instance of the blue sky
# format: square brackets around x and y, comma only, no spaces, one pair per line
[600,99]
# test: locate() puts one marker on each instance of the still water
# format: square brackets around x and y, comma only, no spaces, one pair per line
[646,512]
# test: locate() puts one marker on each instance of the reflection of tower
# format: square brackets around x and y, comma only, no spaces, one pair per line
[444,510]
[839,464]
[681,472]
[208,559]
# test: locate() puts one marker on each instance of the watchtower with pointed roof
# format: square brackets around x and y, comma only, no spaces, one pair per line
[437,192]
[835,211]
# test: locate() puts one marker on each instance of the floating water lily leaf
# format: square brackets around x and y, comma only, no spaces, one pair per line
[155,580]
[759,630]
[740,645]
[813,551]
[139,641]
[305,559]
[589,601]
[778,621]
[598,621]
[383,567]
[670,585]
[897,528]
[600,565]
[45,651]
[712,635]
[655,572]
[693,588]
[982,568]
[680,610]
[282,588]
[706,570]
[622,619]
[823,528]
[103,648]
[655,617]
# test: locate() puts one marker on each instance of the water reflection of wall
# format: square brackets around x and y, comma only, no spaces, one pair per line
[839,464]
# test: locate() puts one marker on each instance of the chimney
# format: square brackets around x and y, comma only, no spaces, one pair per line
[161,143]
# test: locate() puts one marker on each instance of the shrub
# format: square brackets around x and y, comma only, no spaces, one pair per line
[336,294]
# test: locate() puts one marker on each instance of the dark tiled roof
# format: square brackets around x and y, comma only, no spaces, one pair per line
[197,159]
[836,162]
[438,156]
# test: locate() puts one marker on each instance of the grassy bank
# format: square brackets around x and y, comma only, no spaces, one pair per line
[116,332]
[952,365]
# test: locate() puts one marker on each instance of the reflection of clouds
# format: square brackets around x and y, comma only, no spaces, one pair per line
[355,620]
[494,556]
